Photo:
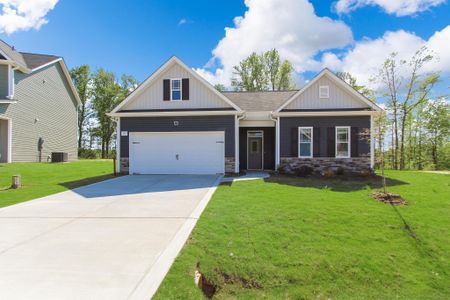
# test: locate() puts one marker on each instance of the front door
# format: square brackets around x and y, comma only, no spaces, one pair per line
[255,150]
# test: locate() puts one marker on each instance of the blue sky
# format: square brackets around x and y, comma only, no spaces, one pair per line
[135,37]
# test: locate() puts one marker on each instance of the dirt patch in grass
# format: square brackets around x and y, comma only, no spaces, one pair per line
[209,288]
[389,198]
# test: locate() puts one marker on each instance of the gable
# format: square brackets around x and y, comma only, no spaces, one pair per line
[339,97]
[151,96]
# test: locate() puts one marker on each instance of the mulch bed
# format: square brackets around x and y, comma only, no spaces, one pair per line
[389,198]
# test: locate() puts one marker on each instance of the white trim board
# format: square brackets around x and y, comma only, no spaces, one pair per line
[173,60]
[174,113]
[339,82]
[9,140]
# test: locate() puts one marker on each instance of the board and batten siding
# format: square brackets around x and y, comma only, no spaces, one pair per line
[3,81]
[199,95]
[339,98]
[46,108]
[289,133]
[166,124]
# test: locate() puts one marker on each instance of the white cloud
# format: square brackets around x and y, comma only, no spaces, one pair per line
[291,26]
[24,14]
[397,7]
[366,57]
[182,22]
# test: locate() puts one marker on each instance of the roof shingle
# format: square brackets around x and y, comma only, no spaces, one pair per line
[259,101]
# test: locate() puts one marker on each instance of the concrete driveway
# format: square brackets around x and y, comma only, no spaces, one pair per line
[111,240]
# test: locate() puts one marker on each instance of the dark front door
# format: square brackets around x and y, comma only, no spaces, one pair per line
[255,150]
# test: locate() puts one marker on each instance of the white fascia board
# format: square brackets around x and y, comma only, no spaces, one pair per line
[336,80]
[324,113]
[173,113]
[163,68]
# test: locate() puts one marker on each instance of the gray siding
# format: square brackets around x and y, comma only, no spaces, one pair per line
[152,96]
[289,127]
[339,97]
[166,124]
[45,108]
[3,81]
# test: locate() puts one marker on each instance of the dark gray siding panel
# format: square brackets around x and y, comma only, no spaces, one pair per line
[288,141]
[166,124]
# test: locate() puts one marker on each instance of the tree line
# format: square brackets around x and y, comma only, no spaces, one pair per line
[99,93]
[411,133]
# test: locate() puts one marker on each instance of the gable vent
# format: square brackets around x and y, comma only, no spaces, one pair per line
[324,92]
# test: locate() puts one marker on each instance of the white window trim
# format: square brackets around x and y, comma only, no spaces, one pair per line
[327,88]
[336,141]
[10,82]
[181,89]
[312,142]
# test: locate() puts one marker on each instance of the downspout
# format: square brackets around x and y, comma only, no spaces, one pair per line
[277,139]
[117,120]
[236,141]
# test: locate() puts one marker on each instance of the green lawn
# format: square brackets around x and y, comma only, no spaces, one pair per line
[41,179]
[293,238]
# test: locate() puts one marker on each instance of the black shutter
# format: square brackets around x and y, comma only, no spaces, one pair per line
[331,142]
[294,142]
[354,141]
[185,88]
[166,89]
[316,142]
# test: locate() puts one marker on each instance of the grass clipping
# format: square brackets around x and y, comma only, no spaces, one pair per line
[389,198]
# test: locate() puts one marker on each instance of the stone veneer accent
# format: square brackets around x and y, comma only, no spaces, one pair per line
[320,165]
[124,165]
[230,163]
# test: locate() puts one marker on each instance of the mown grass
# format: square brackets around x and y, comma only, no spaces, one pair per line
[42,179]
[293,238]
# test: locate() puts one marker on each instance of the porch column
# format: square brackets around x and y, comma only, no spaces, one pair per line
[277,143]
[372,143]
[236,144]
[118,133]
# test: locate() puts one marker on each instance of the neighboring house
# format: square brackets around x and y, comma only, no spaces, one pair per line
[177,123]
[38,107]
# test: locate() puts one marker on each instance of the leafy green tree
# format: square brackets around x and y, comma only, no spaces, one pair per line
[81,77]
[220,87]
[263,72]
[351,80]
[284,77]
[107,93]
[272,64]
[250,74]
[437,123]
[406,86]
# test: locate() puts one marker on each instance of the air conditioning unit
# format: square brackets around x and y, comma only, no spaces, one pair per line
[58,157]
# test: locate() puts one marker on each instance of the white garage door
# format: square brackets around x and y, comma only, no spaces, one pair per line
[177,152]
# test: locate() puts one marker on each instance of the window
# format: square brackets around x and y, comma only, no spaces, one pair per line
[175,89]
[254,148]
[305,142]
[343,142]
[324,92]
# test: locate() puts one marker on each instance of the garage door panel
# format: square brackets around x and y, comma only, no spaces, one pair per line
[177,153]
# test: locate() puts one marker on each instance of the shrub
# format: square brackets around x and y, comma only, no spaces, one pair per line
[339,171]
[304,171]
[88,153]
